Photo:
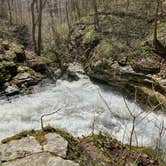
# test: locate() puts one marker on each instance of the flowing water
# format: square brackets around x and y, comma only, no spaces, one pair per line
[83,112]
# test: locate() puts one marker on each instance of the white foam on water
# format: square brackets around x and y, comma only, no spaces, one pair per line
[84,112]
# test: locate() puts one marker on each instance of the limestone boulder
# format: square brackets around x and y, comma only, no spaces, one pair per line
[55,144]
[19,148]
[41,159]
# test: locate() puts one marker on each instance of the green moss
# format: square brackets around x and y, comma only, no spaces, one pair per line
[40,135]
[89,36]
[18,49]
[61,132]
[98,164]
[22,69]
[76,151]
[7,69]
[104,47]
[146,150]
[10,55]
[18,136]
[142,52]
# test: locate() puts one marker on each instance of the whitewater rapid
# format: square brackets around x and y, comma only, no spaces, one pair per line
[84,112]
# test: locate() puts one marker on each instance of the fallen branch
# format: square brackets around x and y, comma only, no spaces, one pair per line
[44,115]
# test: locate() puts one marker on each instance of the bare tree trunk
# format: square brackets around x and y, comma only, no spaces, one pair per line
[76,3]
[40,29]
[126,24]
[155,38]
[33,26]
[67,16]
[10,13]
[3,12]
[96,18]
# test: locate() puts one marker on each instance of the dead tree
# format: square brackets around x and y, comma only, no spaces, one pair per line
[49,114]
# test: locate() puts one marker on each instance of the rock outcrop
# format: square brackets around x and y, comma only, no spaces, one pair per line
[41,159]
[147,92]
[19,69]
[137,72]
[55,144]
[19,149]
[30,151]
[54,147]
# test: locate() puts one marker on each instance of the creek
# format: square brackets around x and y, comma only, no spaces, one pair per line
[83,111]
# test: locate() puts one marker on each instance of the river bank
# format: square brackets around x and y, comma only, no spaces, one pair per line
[56,147]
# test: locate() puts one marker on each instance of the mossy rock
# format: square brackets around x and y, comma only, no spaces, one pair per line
[5,45]
[94,150]
[19,51]
[15,53]
[7,71]
[23,69]
[11,67]
[90,36]
[9,55]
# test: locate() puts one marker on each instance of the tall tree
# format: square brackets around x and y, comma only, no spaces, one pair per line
[10,12]
[40,27]
[155,38]
[96,17]
[3,10]
[37,23]
[33,25]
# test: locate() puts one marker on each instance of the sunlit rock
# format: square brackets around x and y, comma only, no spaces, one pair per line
[19,148]
[41,159]
[55,144]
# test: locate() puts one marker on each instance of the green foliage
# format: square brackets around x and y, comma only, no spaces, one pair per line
[104,47]
[90,36]
[98,164]
[22,69]
[148,150]
[56,41]
[142,52]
